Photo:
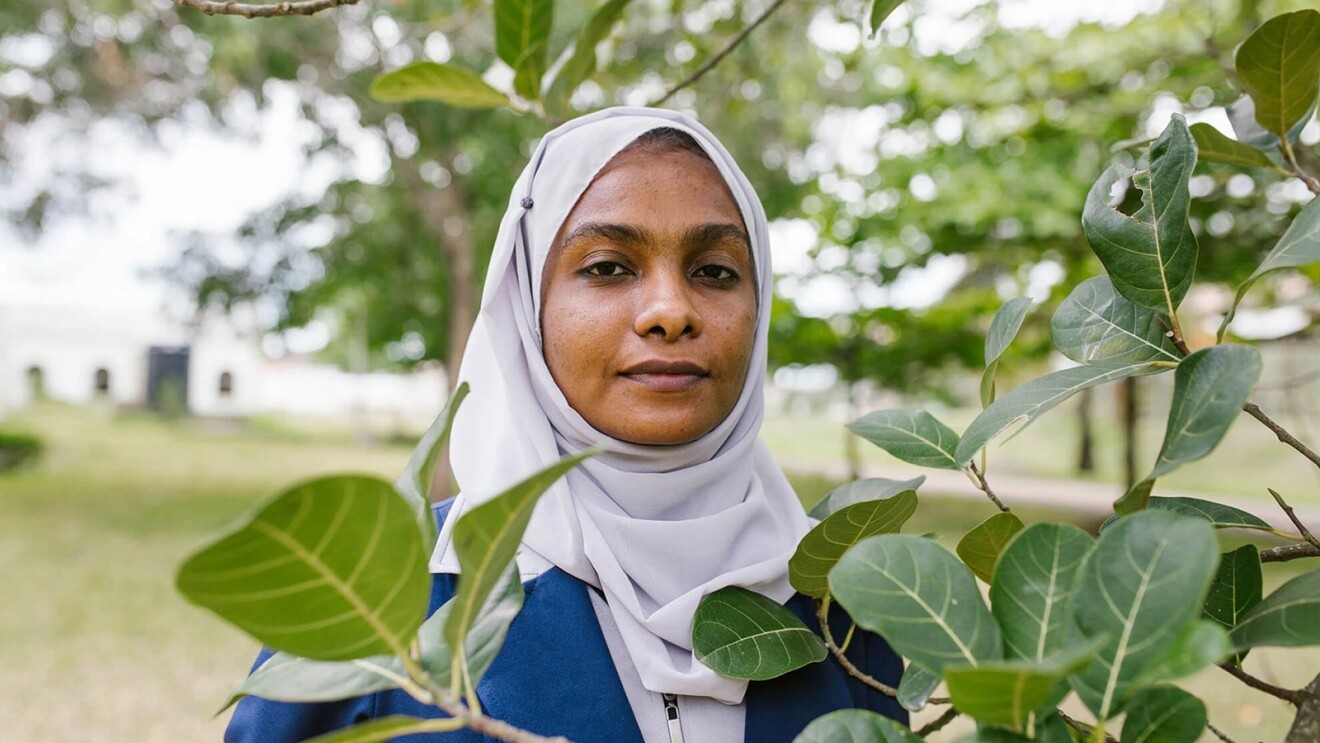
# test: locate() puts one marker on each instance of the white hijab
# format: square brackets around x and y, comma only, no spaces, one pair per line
[656,528]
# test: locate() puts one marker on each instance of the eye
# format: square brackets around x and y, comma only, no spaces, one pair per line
[605,270]
[718,273]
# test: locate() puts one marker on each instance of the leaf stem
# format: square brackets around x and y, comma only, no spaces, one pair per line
[470,718]
[978,479]
[1254,411]
[1083,728]
[822,613]
[1307,178]
[721,54]
[1292,516]
[1291,696]
[847,639]
[262,10]
[938,722]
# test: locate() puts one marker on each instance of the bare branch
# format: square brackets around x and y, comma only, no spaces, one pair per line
[822,613]
[980,482]
[1289,552]
[938,722]
[709,64]
[262,10]
[1292,696]
[1292,516]
[1219,734]
[1255,412]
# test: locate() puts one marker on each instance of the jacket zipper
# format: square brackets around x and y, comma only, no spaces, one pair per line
[671,714]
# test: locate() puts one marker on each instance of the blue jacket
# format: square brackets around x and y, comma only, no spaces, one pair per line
[554,676]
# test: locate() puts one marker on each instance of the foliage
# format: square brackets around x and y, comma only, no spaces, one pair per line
[19,449]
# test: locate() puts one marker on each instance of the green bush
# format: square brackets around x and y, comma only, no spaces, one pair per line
[18,449]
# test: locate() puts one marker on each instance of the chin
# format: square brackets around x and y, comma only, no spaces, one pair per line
[660,433]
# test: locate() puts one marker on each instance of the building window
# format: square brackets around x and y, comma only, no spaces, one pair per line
[36,382]
[102,383]
[226,384]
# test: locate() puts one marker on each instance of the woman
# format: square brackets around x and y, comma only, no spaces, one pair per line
[627,302]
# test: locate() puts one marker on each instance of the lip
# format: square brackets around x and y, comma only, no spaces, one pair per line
[666,376]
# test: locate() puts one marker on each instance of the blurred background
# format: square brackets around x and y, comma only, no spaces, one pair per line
[224,268]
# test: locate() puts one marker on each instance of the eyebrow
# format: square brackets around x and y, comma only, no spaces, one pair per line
[700,236]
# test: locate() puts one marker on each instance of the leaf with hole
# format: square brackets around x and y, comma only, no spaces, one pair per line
[1033,584]
[916,686]
[1289,617]
[332,569]
[414,483]
[1136,592]
[871,488]
[743,635]
[1028,401]
[1151,254]
[1163,714]
[913,436]
[1008,692]
[1004,328]
[1209,389]
[486,539]
[980,547]
[388,728]
[1096,324]
[1279,67]
[821,548]
[1299,246]
[1215,146]
[855,726]
[432,81]
[918,597]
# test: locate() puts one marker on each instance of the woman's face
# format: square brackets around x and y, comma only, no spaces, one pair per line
[648,300]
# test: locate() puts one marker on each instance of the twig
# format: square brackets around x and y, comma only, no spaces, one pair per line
[1081,727]
[1292,516]
[1220,734]
[721,54]
[938,722]
[1255,412]
[984,487]
[1289,552]
[1305,177]
[1291,696]
[262,10]
[1175,335]
[822,613]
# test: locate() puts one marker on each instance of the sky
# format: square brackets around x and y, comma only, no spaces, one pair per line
[209,181]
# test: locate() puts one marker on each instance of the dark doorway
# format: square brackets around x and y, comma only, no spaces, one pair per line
[101,383]
[167,379]
[36,379]
[226,384]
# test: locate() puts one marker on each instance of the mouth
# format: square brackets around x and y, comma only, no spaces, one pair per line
[666,376]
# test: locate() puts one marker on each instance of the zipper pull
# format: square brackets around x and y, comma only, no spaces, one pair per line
[671,714]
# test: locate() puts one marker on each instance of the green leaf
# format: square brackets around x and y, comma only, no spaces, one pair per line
[821,548]
[1217,515]
[583,62]
[1137,591]
[388,728]
[916,686]
[1033,583]
[880,10]
[1199,645]
[332,569]
[1215,146]
[529,70]
[1299,246]
[1028,401]
[741,634]
[483,641]
[1237,587]
[980,547]
[913,436]
[855,726]
[521,25]
[1008,692]
[432,81]
[918,597]
[1163,714]
[289,678]
[1096,324]
[486,540]
[1279,67]
[1289,617]
[873,488]
[1209,390]
[414,483]
[1150,255]
[1004,327]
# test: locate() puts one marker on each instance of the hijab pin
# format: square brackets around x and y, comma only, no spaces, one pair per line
[527,202]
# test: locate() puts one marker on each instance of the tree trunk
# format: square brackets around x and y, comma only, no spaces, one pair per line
[1129,406]
[357,366]
[1086,445]
[1306,726]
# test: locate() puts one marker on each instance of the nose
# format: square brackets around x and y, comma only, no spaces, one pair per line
[667,308]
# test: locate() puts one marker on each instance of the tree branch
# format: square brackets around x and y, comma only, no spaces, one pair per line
[1306,726]
[822,613]
[980,482]
[1306,177]
[938,722]
[262,10]
[1255,412]
[721,54]
[1292,516]
[1219,734]
[1289,552]
[1291,696]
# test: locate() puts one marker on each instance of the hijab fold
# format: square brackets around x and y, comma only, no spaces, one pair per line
[656,528]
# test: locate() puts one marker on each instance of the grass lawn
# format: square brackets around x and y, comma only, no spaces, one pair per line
[97,646]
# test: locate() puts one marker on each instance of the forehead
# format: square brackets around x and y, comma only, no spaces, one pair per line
[659,188]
